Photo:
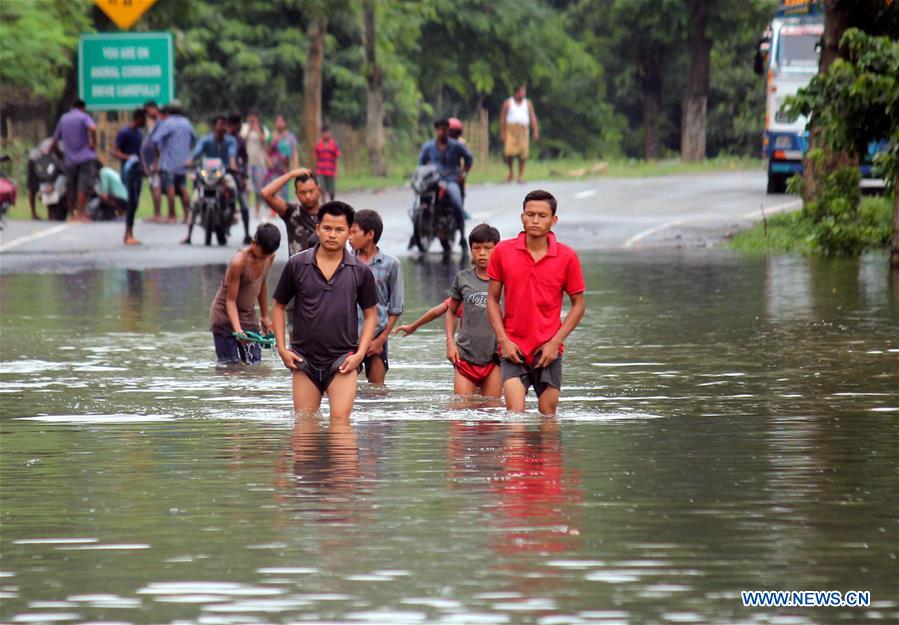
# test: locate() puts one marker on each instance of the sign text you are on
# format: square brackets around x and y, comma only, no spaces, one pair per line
[121,71]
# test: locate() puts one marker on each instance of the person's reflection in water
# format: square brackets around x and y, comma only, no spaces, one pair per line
[325,462]
[536,501]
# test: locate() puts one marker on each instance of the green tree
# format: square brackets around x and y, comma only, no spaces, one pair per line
[853,104]
[37,44]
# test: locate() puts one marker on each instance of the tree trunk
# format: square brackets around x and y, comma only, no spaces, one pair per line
[894,253]
[836,20]
[374,117]
[312,88]
[651,79]
[699,46]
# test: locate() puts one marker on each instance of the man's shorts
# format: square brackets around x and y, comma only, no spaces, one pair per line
[321,377]
[328,184]
[516,141]
[530,375]
[169,178]
[80,178]
[231,351]
[476,374]
[155,180]
[368,360]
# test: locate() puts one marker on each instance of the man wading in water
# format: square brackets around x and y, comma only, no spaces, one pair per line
[328,283]
[300,219]
[534,270]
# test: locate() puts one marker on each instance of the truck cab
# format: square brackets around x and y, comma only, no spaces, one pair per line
[788,55]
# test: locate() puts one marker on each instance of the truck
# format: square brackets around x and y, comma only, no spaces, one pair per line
[788,55]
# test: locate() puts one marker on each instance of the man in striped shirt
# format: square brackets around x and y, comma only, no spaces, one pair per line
[326,155]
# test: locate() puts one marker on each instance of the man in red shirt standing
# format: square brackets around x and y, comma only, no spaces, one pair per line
[534,270]
[326,155]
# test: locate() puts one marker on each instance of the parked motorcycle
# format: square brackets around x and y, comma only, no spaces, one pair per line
[432,214]
[7,192]
[52,190]
[213,206]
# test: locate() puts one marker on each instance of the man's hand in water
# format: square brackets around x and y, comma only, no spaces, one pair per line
[406,330]
[352,362]
[289,358]
[511,351]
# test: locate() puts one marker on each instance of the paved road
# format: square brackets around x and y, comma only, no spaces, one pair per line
[603,213]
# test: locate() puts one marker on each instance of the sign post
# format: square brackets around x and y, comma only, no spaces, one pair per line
[121,71]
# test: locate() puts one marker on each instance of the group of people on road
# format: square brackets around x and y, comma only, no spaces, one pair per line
[164,153]
[348,295]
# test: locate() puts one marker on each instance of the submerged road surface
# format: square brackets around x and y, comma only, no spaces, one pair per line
[603,213]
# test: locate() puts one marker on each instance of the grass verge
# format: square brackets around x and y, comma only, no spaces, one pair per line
[793,232]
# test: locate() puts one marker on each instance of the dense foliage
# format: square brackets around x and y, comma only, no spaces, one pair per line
[585,62]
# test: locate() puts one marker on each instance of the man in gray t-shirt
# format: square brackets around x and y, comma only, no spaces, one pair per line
[473,351]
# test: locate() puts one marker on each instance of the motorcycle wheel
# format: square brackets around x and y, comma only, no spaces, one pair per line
[424,231]
[208,225]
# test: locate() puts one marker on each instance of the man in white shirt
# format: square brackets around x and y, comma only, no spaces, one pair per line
[515,118]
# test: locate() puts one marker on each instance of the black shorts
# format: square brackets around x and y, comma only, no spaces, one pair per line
[320,376]
[539,378]
[171,179]
[80,177]
[231,351]
[366,362]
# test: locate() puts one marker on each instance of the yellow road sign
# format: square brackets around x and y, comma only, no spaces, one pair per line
[124,12]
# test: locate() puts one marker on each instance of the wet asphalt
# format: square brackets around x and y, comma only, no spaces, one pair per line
[684,211]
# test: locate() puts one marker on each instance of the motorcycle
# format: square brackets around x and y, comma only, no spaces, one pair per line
[52,190]
[7,192]
[432,214]
[214,202]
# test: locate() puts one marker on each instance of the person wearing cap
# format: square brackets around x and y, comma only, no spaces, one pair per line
[446,154]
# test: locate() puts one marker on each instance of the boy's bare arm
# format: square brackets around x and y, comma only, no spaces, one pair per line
[278,323]
[508,347]
[452,352]
[377,344]
[232,279]
[426,318]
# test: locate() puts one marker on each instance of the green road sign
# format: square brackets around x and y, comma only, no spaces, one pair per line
[124,70]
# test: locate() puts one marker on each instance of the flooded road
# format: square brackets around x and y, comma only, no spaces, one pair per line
[726,424]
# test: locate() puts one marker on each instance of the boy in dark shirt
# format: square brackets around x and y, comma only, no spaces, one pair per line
[328,284]
[473,351]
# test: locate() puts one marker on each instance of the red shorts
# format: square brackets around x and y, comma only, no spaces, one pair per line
[477,374]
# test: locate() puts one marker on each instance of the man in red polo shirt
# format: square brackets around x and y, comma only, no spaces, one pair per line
[534,270]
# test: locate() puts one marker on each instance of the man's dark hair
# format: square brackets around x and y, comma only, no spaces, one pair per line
[540,196]
[370,221]
[235,119]
[149,104]
[78,104]
[166,110]
[337,208]
[326,128]
[216,119]
[139,115]
[443,122]
[304,178]
[268,237]
[483,233]
[520,86]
